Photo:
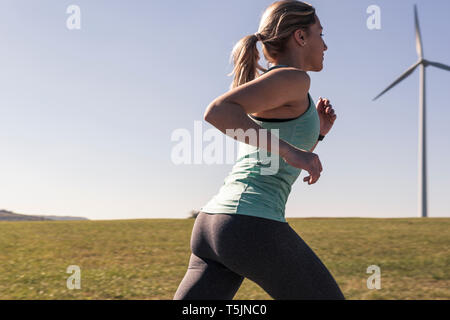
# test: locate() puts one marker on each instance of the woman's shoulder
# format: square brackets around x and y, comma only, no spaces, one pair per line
[292,73]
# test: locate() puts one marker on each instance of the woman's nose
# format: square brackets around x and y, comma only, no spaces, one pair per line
[326,47]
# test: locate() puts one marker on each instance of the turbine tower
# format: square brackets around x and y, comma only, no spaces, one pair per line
[422,63]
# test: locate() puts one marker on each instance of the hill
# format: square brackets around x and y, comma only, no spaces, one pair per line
[6,215]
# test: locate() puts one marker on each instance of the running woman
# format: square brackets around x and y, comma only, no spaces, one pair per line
[242,231]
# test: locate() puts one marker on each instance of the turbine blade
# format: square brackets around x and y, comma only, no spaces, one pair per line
[419,47]
[439,65]
[403,76]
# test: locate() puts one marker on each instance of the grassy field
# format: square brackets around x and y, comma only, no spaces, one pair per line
[146,259]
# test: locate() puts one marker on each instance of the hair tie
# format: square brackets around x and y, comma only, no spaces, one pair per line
[258,36]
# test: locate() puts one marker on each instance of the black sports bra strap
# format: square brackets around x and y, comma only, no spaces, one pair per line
[276,66]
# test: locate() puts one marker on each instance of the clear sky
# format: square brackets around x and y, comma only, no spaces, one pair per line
[86,116]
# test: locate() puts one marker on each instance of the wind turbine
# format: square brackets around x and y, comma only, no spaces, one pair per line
[422,63]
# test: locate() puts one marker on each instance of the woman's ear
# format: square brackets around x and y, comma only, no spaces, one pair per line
[299,36]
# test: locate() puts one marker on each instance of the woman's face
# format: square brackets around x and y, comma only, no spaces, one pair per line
[314,47]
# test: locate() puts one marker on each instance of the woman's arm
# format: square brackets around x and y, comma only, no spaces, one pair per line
[269,91]
[231,116]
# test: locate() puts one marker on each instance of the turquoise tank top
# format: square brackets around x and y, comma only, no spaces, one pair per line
[245,190]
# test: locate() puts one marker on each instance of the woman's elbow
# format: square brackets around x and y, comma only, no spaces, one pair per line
[210,111]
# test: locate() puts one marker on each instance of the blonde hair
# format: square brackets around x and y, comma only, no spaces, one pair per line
[278,22]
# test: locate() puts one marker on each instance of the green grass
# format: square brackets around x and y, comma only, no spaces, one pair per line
[146,259]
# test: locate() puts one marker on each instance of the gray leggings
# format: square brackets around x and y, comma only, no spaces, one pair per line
[226,248]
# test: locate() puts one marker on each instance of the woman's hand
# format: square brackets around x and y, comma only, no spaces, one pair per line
[326,115]
[304,160]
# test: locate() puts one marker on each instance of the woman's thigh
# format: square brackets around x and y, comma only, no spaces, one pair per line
[268,252]
[281,263]
[206,279]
